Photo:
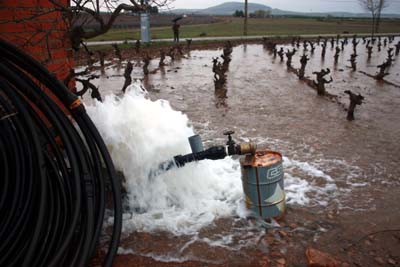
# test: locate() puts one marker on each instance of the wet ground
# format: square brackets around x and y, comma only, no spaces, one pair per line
[351,209]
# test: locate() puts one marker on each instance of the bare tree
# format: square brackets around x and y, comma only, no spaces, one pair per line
[81,12]
[245,17]
[382,5]
[78,13]
[375,7]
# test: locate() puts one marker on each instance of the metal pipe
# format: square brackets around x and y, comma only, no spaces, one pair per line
[212,153]
[196,144]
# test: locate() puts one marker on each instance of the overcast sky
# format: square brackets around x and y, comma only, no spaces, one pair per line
[293,5]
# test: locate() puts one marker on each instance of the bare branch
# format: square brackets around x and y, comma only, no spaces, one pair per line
[94,10]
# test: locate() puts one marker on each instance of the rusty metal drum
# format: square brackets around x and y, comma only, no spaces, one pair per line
[262,178]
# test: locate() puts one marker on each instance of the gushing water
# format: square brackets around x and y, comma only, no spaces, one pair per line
[141,134]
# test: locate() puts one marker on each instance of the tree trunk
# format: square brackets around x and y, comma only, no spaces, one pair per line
[377,21]
[382,4]
[245,17]
[373,26]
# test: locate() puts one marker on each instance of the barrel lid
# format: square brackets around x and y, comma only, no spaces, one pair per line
[262,159]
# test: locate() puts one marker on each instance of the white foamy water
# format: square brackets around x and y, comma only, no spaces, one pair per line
[141,134]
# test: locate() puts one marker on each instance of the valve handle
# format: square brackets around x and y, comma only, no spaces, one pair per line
[230,143]
[229,132]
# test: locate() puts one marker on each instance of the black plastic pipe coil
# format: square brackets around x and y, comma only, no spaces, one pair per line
[52,184]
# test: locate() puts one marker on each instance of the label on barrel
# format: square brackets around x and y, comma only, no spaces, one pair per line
[275,172]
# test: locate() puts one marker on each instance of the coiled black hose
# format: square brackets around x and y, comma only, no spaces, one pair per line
[52,184]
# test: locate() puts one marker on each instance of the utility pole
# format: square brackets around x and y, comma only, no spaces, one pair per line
[245,18]
[145,25]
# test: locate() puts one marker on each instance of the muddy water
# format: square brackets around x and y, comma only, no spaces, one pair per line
[352,168]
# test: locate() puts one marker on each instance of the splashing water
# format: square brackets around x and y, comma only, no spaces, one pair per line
[141,134]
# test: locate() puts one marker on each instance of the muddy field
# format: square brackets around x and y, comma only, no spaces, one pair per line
[341,177]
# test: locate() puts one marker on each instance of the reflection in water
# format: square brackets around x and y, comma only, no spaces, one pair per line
[162,72]
[146,83]
[118,66]
[161,63]
[220,97]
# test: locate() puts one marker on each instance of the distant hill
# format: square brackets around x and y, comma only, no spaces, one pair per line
[226,9]
[229,8]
